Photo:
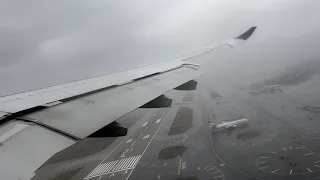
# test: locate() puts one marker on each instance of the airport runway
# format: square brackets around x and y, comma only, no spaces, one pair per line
[280,141]
[177,142]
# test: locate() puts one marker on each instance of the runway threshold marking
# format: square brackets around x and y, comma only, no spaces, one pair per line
[309,170]
[114,166]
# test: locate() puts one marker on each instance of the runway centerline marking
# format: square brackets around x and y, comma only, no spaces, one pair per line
[144,124]
[158,120]
[150,141]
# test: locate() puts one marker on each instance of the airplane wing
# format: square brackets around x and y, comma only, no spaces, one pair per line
[37,124]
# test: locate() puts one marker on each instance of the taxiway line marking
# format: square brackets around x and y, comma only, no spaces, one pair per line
[284,149]
[179,167]
[273,152]
[290,147]
[274,171]
[263,157]
[150,142]
[309,170]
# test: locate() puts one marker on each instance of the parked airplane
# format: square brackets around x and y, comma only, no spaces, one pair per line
[228,124]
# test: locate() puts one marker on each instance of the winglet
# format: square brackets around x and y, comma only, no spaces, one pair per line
[247,34]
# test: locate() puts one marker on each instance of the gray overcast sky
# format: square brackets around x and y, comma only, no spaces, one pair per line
[46,42]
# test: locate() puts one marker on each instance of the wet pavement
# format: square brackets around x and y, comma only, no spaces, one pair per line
[281,140]
[177,143]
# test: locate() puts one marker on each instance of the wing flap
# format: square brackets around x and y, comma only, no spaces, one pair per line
[24,148]
[83,116]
